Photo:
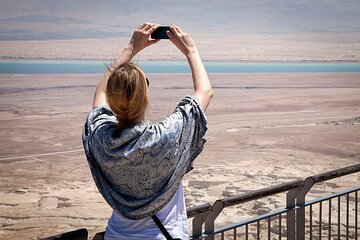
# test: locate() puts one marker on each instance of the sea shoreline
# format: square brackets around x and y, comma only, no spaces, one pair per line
[4,59]
[37,66]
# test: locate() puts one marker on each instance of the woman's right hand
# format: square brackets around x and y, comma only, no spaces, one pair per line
[139,40]
[182,40]
[141,37]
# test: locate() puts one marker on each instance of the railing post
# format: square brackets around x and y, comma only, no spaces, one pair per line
[290,215]
[300,211]
[197,224]
[217,207]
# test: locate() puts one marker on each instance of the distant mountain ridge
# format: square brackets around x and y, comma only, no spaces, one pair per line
[80,19]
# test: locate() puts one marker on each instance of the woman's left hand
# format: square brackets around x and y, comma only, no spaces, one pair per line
[141,37]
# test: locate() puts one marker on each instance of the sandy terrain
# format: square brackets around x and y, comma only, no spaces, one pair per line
[264,129]
[234,47]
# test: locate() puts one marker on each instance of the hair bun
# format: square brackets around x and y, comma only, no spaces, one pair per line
[127,94]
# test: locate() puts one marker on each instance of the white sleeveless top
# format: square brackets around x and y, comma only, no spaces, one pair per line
[173,217]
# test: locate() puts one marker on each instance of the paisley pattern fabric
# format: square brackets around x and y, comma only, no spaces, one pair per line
[138,170]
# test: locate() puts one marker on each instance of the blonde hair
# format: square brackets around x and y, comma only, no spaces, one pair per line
[126,94]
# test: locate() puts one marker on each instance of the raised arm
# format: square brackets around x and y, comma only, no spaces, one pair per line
[186,45]
[139,40]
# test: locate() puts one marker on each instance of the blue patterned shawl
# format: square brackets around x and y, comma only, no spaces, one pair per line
[138,170]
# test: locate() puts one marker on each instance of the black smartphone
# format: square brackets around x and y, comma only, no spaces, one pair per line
[160,33]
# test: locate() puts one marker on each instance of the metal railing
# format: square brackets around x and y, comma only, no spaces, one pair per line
[295,221]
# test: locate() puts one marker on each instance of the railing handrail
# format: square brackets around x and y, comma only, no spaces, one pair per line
[264,192]
[193,211]
[336,173]
[245,197]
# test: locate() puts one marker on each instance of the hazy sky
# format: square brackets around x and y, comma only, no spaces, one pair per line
[70,19]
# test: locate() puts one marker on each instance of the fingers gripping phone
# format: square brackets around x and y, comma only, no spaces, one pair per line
[160,33]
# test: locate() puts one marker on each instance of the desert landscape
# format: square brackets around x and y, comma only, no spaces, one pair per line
[264,129]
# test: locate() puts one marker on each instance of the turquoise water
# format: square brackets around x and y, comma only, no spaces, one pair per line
[43,67]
